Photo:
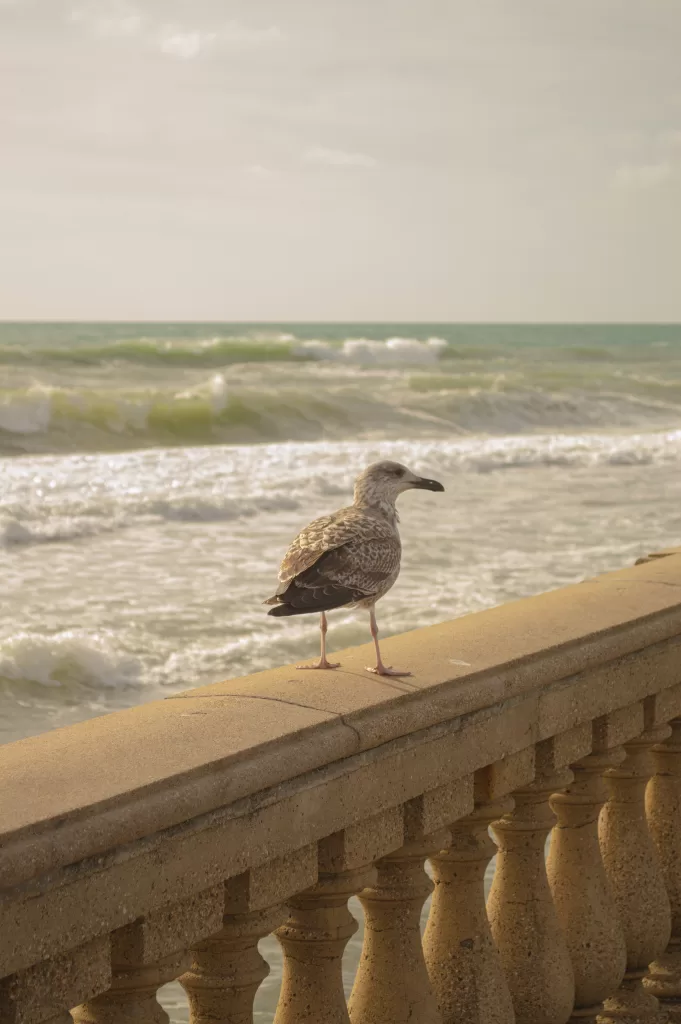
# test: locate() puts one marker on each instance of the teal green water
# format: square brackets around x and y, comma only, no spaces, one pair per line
[104,387]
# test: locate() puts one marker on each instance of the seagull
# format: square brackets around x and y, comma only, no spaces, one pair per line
[351,557]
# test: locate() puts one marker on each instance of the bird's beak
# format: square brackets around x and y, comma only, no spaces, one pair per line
[427,485]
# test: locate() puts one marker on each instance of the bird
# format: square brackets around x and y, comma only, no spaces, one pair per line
[349,558]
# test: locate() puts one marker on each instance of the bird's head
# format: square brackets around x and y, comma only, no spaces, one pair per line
[382,482]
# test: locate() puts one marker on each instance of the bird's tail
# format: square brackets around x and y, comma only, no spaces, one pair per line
[287,609]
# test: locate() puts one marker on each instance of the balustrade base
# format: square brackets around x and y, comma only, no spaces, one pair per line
[664,977]
[631,1003]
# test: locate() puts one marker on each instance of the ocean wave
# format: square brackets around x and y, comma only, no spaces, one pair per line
[71,659]
[50,524]
[42,418]
[206,510]
[206,352]
[95,495]
[27,411]
[217,352]
[16,532]
[366,352]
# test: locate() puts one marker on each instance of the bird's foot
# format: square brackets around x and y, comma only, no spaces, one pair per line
[322,663]
[385,670]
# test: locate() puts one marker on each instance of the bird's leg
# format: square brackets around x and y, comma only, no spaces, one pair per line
[380,669]
[322,663]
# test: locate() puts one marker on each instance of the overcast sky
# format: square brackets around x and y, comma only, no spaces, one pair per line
[347,160]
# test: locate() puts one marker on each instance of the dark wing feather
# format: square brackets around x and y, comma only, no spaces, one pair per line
[342,576]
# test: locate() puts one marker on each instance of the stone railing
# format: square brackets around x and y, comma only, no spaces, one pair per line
[164,842]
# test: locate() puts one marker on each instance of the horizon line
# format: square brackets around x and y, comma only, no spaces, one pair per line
[342,323]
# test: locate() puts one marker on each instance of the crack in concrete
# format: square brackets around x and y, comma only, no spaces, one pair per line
[353,730]
[629,579]
[247,696]
[275,700]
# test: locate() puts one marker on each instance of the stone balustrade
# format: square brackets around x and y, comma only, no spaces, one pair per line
[166,841]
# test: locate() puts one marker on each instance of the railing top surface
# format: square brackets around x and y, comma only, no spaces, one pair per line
[132,773]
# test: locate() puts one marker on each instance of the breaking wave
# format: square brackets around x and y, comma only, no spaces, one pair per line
[108,387]
[71,659]
[216,352]
[43,418]
[52,525]
[227,486]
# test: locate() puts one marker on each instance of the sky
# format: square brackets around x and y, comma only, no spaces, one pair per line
[360,160]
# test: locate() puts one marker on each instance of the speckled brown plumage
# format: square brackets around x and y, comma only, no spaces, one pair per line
[351,557]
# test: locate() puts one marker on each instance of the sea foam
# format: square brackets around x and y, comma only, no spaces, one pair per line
[67,659]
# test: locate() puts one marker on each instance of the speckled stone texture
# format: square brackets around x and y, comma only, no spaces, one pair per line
[41,994]
[132,996]
[635,877]
[313,938]
[584,904]
[663,811]
[463,963]
[525,926]
[392,984]
[226,970]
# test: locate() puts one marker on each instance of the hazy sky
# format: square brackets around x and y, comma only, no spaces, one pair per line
[364,159]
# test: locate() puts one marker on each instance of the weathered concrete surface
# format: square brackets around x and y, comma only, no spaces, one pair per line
[128,774]
[164,801]
[210,746]
[42,992]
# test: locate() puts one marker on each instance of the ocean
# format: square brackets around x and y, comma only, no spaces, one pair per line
[153,475]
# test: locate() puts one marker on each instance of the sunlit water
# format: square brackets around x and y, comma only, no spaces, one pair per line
[126,576]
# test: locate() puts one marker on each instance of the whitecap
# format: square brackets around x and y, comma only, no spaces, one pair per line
[29,413]
[365,351]
[218,394]
[66,659]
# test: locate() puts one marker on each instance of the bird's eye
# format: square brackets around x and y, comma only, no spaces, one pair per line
[398,472]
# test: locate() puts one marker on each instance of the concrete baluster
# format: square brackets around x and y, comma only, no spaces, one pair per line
[132,995]
[524,922]
[313,939]
[147,954]
[226,968]
[636,881]
[663,810]
[320,925]
[392,983]
[581,892]
[462,961]
[581,895]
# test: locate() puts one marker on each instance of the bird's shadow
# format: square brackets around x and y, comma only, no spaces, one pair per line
[401,685]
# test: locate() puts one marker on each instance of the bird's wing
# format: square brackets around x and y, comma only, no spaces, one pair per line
[352,572]
[328,533]
[360,566]
[345,558]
